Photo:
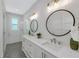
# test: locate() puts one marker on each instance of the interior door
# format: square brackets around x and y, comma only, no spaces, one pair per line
[13,29]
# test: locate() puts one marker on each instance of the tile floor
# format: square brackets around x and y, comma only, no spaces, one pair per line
[14,51]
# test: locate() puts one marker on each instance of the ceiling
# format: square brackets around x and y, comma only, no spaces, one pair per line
[18,6]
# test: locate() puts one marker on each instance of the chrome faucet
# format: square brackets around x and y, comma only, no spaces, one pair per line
[56,42]
[53,40]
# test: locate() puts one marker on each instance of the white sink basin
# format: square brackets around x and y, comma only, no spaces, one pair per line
[52,46]
[42,41]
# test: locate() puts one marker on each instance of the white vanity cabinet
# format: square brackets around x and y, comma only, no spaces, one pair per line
[33,50]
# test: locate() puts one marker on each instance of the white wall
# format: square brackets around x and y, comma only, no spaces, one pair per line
[40,8]
[8,24]
[4,27]
[1,29]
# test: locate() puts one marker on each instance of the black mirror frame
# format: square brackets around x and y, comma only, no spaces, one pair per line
[31,26]
[57,11]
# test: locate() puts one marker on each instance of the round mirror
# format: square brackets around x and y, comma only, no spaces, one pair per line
[34,25]
[59,23]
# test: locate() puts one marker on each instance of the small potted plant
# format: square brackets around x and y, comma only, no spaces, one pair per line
[39,35]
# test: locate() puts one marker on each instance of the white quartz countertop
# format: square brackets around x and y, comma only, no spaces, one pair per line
[64,52]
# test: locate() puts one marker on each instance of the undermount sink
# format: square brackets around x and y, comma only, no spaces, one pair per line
[42,41]
[53,46]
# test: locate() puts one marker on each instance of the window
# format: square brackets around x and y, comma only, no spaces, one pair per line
[15,23]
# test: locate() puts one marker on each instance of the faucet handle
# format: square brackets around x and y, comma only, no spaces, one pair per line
[51,40]
[54,40]
[59,43]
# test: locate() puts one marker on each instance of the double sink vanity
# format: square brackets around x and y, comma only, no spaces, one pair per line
[34,47]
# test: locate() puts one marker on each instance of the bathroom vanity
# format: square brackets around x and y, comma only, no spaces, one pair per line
[32,48]
[42,48]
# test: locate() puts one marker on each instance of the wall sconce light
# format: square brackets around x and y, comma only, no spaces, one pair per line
[56,1]
[34,16]
[51,4]
[55,4]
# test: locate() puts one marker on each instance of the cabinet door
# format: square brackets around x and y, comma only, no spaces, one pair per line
[37,52]
[47,55]
[25,44]
[28,47]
